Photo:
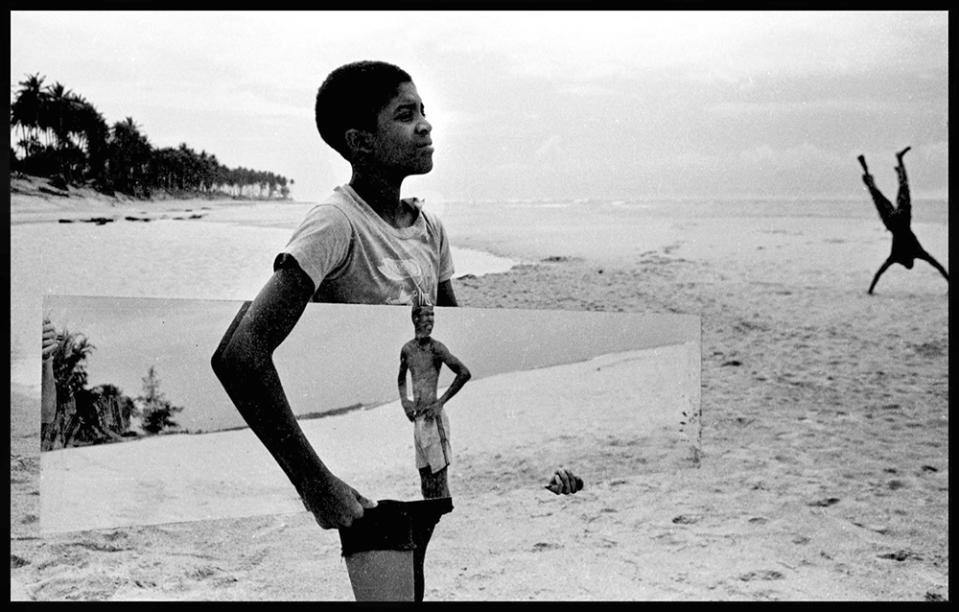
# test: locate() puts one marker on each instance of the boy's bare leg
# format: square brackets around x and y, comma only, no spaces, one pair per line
[879,272]
[433,485]
[935,264]
[883,205]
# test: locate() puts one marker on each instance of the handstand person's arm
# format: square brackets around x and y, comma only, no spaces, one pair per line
[243,362]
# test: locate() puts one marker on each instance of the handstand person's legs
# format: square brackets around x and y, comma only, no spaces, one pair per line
[879,272]
[883,205]
[903,202]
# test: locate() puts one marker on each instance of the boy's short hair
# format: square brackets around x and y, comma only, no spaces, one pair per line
[419,308]
[352,96]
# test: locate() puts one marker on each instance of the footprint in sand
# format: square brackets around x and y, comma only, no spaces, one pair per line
[901,555]
[686,519]
[17,562]
[541,546]
[828,501]
[761,575]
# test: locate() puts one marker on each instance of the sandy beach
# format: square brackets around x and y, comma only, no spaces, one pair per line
[825,418]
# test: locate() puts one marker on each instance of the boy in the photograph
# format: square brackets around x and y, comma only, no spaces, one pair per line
[363,244]
[423,357]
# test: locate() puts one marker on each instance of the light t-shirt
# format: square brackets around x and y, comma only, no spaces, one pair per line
[353,256]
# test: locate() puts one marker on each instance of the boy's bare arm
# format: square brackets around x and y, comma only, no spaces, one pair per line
[408,405]
[243,362]
[458,367]
[445,295]
[48,383]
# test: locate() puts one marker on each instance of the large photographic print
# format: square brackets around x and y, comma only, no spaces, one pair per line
[608,394]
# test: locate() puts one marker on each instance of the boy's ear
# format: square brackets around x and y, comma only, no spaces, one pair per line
[359,141]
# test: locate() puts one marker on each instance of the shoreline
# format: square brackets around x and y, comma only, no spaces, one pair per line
[34,200]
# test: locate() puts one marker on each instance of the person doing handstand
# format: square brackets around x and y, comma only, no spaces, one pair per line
[905,245]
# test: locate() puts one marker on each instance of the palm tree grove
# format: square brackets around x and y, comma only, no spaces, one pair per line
[61,136]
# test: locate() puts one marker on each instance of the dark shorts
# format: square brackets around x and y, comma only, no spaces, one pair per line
[905,248]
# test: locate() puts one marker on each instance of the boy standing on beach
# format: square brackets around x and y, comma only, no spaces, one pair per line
[363,244]
[423,356]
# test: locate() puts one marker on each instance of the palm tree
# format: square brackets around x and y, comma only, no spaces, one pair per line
[128,160]
[25,110]
[69,362]
[57,111]
[115,408]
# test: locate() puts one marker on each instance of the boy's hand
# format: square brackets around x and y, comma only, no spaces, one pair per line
[409,408]
[334,503]
[565,482]
[49,339]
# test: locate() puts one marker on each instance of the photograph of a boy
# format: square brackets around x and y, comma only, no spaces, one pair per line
[363,244]
[423,357]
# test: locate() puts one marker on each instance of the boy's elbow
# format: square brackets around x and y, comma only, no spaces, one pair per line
[229,363]
[220,362]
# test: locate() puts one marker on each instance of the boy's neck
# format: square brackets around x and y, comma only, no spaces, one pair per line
[383,196]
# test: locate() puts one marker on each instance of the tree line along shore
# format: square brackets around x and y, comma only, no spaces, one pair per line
[61,136]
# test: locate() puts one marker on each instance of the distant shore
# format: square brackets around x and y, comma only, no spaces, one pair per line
[36,200]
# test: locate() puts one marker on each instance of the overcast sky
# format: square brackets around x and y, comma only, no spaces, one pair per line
[551,105]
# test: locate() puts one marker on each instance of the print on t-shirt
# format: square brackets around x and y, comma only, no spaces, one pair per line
[407,271]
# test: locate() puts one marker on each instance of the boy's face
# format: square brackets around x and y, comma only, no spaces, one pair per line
[402,145]
[423,322]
